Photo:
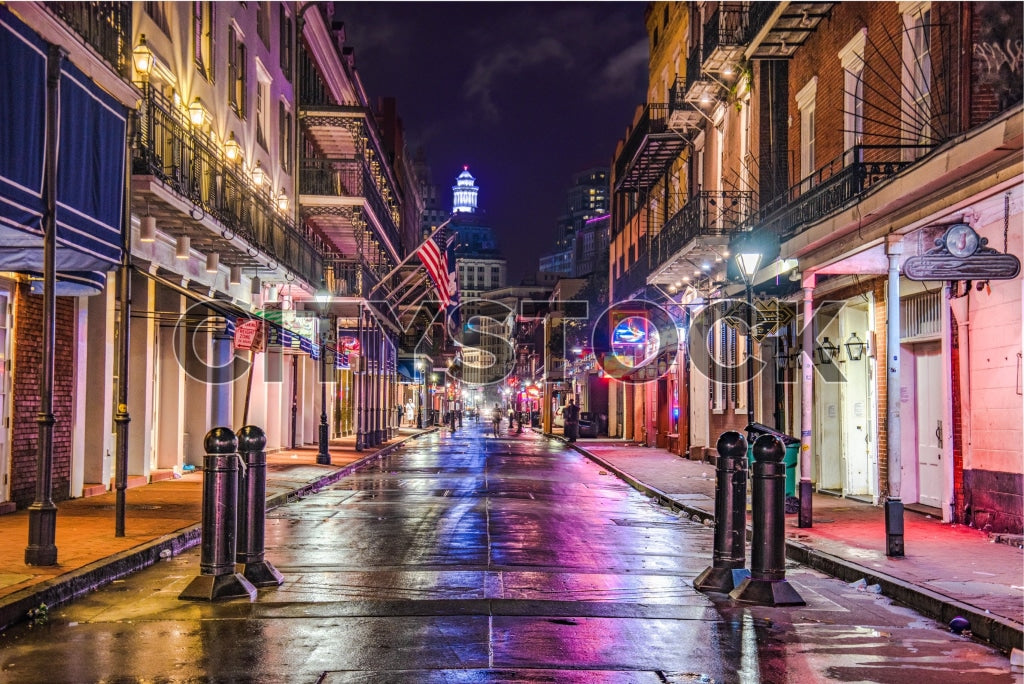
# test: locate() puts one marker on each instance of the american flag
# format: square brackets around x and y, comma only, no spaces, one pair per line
[436,263]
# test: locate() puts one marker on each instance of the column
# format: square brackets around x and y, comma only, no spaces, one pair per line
[805,519]
[98,364]
[893,506]
[141,363]
[170,381]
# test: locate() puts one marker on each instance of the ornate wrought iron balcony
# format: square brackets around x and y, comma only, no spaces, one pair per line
[106,26]
[726,33]
[184,159]
[648,151]
[831,188]
[706,214]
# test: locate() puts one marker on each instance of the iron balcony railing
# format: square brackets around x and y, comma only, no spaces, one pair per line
[758,14]
[705,214]
[350,177]
[694,60]
[347,278]
[171,149]
[106,26]
[654,119]
[727,26]
[832,187]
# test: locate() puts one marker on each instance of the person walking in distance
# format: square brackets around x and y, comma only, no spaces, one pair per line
[572,421]
[496,420]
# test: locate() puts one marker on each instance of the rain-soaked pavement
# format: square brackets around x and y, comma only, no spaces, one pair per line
[470,559]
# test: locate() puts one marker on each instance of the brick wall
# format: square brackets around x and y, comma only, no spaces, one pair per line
[27,356]
[996,61]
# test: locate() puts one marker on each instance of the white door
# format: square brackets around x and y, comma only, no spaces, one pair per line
[829,432]
[856,407]
[5,428]
[928,361]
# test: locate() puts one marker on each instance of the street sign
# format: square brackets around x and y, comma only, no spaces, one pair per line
[962,255]
[249,335]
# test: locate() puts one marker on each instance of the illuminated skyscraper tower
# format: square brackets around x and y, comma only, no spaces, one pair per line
[464,192]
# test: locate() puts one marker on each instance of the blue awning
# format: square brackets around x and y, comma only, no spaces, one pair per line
[90,166]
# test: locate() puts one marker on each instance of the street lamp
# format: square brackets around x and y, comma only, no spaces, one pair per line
[748,261]
[142,59]
[323,300]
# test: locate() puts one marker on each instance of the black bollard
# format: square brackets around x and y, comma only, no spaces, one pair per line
[252,509]
[767,585]
[218,579]
[727,571]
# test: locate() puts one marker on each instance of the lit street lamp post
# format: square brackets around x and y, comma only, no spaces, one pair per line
[748,262]
[323,298]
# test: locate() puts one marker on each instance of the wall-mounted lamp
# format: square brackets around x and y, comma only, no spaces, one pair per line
[826,351]
[147,228]
[182,247]
[282,201]
[855,347]
[212,262]
[258,175]
[142,59]
[197,112]
[231,148]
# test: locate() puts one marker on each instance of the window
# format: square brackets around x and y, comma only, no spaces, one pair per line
[202,38]
[805,103]
[495,276]
[286,43]
[237,73]
[917,77]
[284,121]
[852,59]
[262,91]
[263,22]
[157,11]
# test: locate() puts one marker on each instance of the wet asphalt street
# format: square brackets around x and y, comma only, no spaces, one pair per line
[470,559]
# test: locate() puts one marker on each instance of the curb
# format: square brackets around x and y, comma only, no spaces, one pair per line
[993,629]
[66,587]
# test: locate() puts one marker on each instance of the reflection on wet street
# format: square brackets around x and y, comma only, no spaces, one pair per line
[462,558]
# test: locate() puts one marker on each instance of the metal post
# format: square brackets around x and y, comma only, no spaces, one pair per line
[218,579]
[252,510]
[750,352]
[323,456]
[42,513]
[121,416]
[295,400]
[357,381]
[806,517]
[767,585]
[893,505]
[727,571]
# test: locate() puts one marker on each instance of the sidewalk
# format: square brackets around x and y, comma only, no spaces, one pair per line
[161,519]
[948,570]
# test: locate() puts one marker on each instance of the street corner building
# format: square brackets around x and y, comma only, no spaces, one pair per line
[855,170]
[224,162]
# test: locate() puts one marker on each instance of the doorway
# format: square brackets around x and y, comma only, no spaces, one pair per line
[921,399]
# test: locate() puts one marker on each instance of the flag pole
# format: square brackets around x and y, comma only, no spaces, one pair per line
[410,256]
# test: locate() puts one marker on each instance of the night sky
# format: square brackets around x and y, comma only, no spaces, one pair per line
[525,94]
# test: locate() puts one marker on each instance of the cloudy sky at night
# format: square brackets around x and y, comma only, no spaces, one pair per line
[525,94]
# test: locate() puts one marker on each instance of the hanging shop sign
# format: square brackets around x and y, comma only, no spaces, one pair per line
[961,254]
[250,334]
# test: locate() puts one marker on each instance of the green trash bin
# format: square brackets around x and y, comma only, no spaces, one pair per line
[792,451]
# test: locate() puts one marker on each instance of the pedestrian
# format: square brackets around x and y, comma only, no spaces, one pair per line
[458,415]
[496,420]
[572,421]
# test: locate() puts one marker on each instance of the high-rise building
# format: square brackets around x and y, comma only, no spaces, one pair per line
[586,198]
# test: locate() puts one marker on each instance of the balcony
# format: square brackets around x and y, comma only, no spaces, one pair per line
[697,236]
[183,180]
[700,89]
[777,29]
[648,151]
[683,116]
[726,33]
[344,199]
[633,281]
[106,26]
[831,188]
